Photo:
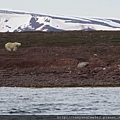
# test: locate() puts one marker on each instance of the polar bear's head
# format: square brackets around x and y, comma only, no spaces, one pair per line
[17,44]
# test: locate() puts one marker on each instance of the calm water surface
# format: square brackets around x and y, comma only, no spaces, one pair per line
[59,101]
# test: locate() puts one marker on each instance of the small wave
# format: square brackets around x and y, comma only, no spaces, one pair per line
[15,111]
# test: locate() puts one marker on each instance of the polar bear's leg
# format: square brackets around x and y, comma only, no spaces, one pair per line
[15,48]
[8,46]
[8,49]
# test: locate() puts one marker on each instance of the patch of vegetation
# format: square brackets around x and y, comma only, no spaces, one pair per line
[64,38]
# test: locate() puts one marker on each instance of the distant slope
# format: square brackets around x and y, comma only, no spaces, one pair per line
[11,21]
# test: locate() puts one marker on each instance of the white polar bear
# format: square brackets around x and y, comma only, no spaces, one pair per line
[12,46]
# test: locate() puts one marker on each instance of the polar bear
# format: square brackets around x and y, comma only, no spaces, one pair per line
[12,46]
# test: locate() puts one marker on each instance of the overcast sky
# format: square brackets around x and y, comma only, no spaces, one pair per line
[77,8]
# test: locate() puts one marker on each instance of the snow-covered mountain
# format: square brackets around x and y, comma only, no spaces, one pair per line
[12,21]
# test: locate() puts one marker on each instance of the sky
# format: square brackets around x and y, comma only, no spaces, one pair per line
[69,8]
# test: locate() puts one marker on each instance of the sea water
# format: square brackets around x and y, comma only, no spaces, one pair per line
[59,101]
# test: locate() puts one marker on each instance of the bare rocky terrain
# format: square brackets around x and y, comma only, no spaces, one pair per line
[54,64]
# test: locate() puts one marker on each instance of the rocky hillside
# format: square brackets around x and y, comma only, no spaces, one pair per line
[59,59]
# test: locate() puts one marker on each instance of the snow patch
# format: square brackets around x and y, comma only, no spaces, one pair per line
[16,21]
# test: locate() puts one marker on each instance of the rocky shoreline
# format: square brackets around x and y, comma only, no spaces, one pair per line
[70,66]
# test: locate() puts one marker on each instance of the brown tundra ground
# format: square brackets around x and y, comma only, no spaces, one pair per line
[52,59]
